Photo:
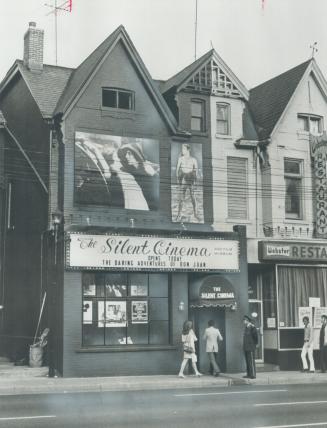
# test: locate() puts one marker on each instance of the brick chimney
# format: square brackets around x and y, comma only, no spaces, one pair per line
[33,48]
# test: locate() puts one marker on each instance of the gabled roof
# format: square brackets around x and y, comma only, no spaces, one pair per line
[188,72]
[46,87]
[269,100]
[182,75]
[82,72]
[82,75]
[56,88]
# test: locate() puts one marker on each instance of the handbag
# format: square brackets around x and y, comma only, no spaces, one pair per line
[187,348]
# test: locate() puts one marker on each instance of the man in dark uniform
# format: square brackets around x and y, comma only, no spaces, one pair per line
[323,343]
[250,341]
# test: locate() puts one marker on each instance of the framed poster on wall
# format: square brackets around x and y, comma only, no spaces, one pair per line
[139,312]
[305,311]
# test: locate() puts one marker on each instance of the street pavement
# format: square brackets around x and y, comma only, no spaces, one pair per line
[242,406]
[27,380]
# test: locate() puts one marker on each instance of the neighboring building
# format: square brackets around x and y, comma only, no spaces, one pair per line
[136,204]
[265,152]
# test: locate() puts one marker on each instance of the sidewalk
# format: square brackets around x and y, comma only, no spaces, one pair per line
[26,380]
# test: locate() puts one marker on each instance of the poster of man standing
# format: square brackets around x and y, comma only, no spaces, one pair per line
[187,183]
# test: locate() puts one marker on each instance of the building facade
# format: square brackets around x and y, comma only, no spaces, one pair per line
[133,204]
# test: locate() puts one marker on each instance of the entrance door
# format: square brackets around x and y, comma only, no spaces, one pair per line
[255,306]
[200,318]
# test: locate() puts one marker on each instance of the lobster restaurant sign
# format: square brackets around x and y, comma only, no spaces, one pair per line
[140,253]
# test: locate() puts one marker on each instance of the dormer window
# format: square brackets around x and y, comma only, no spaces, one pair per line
[118,98]
[310,123]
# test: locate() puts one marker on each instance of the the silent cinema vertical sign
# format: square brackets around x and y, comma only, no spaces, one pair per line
[150,253]
[318,145]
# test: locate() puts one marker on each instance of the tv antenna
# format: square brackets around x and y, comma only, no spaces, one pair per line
[314,49]
[66,6]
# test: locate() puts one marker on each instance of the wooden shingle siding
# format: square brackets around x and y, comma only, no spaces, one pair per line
[237,192]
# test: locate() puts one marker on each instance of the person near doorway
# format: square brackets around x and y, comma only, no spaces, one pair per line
[323,344]
[211,336]
[188,339]
[307,347]
[250,342]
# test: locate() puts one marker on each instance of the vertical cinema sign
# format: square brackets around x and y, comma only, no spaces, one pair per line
[318,146]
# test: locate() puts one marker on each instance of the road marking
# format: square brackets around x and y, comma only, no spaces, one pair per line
[297,425]
[16,418]
[233,392]
[291,403]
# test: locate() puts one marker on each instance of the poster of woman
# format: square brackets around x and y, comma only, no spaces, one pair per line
[187,183]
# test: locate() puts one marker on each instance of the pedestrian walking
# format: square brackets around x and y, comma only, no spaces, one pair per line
[250,341]
[323,344]
[188,339]
[211,336]
[307,349]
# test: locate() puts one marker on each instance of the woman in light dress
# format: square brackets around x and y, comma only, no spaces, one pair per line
[188,339]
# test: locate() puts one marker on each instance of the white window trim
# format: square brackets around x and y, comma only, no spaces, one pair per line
[229,131]
[300,177]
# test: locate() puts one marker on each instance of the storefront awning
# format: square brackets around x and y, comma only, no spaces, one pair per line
[212,304]
[215,292]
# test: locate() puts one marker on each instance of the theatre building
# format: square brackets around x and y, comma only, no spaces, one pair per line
[124,248]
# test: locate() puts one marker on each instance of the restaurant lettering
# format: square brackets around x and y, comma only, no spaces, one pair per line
[292,251]
[318,146]
[143,253]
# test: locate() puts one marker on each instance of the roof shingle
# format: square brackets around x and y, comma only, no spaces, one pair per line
[47,86]
[268,101]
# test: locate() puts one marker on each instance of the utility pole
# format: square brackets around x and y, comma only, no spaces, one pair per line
[66,6]
[196,27]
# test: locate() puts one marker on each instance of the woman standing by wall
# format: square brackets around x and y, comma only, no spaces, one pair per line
[188,340]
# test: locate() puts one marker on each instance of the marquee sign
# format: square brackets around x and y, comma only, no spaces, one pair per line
[144,253]
[318,147]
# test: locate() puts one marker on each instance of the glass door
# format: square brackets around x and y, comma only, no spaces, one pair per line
[255,310]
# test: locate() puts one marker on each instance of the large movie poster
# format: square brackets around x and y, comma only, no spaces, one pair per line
[186,183]
[117,171]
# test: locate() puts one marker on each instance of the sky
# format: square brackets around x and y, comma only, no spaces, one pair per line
[256,42]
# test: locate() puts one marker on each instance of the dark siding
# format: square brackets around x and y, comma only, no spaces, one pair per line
[28,219]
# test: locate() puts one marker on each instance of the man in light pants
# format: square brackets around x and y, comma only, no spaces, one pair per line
[307,347]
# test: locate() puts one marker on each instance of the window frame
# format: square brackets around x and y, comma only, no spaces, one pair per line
[227,121]
[202,118]
[309,118]
[101,295]
[234,187]
[117,92]
[299,179]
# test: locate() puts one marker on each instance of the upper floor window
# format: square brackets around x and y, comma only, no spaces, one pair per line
[310,123]
[237,187]
[223,118]
[118,98]
[293,188]
[197,115]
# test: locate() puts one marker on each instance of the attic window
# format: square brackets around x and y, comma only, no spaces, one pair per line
[117,98]
[310,123]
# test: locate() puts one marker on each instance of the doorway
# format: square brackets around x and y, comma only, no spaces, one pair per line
[255,306]
[200,318]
